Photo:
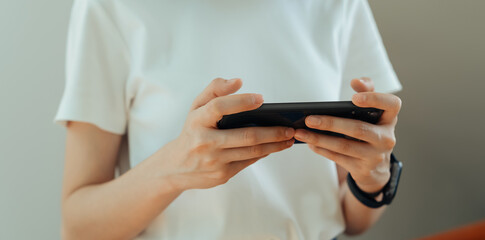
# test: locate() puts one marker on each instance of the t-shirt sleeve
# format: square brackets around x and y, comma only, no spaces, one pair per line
[97,68]
[363,51]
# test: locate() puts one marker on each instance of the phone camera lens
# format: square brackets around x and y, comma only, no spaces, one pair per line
[373,114]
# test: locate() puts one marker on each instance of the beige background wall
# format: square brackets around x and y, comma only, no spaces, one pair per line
[437,47]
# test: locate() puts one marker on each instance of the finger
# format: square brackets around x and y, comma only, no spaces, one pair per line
[391,104]
[353,128]
[363,84]
[348,163]
[250,136]
[213,111]
[217,88]
[340,145]
[243,153]
[236,167]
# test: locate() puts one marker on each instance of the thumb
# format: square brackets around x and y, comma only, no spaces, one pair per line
[217,88]
[363,84]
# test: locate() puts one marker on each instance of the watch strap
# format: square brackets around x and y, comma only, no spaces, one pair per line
[389,190]
[363,197]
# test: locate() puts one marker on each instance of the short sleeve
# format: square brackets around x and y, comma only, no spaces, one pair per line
[97,68]
[363,51]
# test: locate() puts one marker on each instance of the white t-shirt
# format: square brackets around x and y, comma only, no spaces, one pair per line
[134,67]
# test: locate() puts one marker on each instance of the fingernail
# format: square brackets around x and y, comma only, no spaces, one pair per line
[289,132]
[258,98]
[312,120]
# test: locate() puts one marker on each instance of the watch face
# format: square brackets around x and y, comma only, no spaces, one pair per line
[391,190]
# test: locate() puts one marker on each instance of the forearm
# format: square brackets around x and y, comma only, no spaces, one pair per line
[118,209]
[358,217]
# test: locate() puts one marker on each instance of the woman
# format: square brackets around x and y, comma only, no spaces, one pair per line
[134,69]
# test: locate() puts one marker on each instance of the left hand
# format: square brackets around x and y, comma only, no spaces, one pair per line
[369,161]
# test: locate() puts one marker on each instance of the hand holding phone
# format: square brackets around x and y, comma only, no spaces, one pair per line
[294,114]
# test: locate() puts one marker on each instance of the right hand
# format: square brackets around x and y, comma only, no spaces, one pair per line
[204,156]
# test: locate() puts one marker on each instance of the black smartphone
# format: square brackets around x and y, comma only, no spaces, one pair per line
[294,114]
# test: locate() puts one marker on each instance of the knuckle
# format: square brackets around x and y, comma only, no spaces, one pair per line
[380,159]
[209,161]
[201,142]
[361,130]
[398,103]
[256,150]
[344,146]
[281,134]
[220,175]
[369,83]
[377,98]
[389,142]
[217,81]
[250,136]
[214,107]
[328,123]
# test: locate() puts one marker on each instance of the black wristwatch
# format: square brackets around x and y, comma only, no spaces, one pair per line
[389,190]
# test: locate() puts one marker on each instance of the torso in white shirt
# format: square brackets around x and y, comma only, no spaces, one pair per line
[163,53]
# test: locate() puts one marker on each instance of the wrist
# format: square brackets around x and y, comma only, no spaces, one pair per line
[162,174]
[383,195]
[167,186]
[376,185]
